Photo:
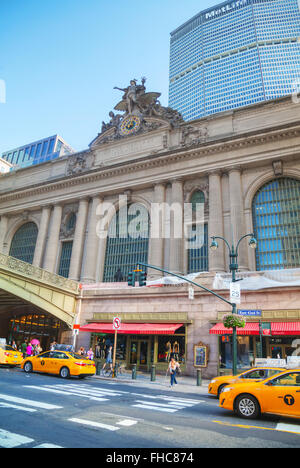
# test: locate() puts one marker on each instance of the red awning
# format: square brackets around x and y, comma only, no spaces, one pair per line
[250,329]
[285,328]
[134,328]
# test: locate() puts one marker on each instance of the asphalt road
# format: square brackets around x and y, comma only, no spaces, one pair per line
[44,411]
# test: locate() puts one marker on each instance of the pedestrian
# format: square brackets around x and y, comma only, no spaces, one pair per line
[90,354]
[53,345]
[174,368]
[98,350]
[13,345]
[29,350]
[108,359]
[24,348]
[102,349]
[81,351]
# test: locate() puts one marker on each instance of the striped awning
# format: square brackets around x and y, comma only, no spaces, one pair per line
[250,329]
[285,328]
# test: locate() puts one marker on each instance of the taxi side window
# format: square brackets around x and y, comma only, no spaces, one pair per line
[59,356]
[292,379]
[45,355]
[257,374]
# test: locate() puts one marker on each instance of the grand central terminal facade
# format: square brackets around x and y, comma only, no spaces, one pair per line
[66,250]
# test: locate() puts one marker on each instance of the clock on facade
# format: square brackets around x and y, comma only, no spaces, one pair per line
[130,125]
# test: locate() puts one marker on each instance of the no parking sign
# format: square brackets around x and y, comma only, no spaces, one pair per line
[117,323]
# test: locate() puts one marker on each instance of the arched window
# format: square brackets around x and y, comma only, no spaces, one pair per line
[71,222]
[23,243]
[197,198]
[198,236]
[127,242]
[276,221]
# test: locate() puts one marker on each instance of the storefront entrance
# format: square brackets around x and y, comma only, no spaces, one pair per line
[140,352]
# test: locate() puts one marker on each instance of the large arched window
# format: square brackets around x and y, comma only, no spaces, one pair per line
[276,220]
[127,242]
[23,243]
[198,235]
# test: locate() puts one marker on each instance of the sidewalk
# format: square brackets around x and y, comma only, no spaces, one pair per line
[185,384]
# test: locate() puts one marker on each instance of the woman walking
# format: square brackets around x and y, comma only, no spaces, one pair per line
[174,367]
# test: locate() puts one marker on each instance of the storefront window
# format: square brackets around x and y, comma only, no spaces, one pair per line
[245,352]
[105,341]
[171,346]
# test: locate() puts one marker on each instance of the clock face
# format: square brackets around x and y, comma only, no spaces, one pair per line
[130,125]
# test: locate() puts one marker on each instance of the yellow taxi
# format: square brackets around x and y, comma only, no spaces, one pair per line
[278,395]
[216,385]
[62,363]
[9,356]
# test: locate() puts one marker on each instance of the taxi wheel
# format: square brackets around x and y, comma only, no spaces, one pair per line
[28,367]
[64,373]
[247,407]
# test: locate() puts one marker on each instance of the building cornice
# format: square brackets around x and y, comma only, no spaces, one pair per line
[173,155]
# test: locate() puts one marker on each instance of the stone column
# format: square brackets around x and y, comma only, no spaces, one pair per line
[156,254]
[78,241]
[237,215]
[90,262]
[53,240]
[215,223]
[3,230]
[176,225]
[42,237]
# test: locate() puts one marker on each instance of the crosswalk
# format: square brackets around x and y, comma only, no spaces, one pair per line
[162,403]
[165,404]
[83,391]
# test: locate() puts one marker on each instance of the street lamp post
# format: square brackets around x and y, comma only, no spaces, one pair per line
[233,266]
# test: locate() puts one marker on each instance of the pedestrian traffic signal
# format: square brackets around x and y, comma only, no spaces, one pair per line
[131,279]
[143,278]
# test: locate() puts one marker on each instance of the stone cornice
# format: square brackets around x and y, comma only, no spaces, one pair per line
[227,144]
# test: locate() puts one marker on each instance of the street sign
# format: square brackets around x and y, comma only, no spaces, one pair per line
[235,293]
[250,313]
[117,323]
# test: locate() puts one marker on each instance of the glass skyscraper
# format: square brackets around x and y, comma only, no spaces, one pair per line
[37,152]
[235,54]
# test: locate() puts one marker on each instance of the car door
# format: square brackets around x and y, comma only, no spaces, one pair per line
[59,360]
[41,362]
[281,395]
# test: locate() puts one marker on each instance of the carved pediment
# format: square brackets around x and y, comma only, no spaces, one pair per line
[143,114]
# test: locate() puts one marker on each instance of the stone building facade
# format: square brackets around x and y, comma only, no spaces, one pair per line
[227,158]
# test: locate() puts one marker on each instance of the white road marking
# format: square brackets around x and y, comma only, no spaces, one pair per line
[95,424]
[127,423]
[155,408]
[47,446]
[161,405]
[34,404]
[11,440]
[69,393]
[294,428]
[19,408]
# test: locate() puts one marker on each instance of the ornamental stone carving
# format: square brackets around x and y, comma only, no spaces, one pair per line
[143,113]
[193,136]
[79,163]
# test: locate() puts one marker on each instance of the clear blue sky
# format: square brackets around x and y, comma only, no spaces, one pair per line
[60,60]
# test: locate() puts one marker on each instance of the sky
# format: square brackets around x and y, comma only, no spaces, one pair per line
[60,60]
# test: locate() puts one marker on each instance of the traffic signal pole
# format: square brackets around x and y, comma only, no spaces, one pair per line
[152,267]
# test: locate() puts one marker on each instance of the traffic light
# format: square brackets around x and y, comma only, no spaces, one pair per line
[143,278]
[131,279]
